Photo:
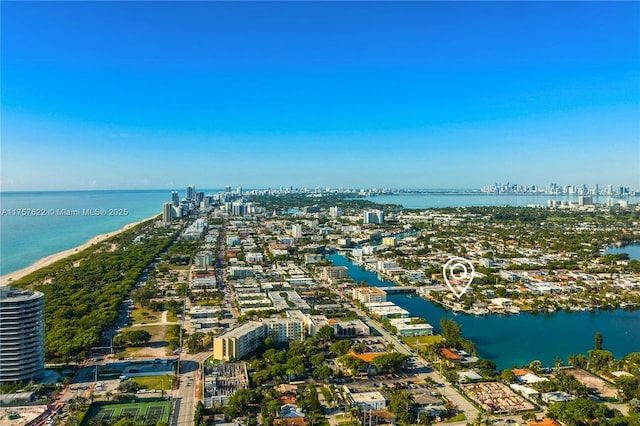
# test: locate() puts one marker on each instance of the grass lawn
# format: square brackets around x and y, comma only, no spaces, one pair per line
[327,394]
[457,418]
[414,341]
[144,316]
[180,267]
[157,331]
[154,382]
[171,317]
[157,346]
[320,421]
[348,423]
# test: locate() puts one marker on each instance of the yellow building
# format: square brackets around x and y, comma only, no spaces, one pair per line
[389,241]
[239,342]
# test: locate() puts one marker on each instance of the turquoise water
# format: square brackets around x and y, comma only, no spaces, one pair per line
[26,239]
[633,250]
[436,200]
[517,340]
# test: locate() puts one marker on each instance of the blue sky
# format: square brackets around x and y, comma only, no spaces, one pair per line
[111,95]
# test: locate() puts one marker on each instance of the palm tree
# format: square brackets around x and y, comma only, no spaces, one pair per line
[357,412]
[558,363]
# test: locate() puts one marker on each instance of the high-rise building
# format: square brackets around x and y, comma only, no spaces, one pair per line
[191,193]
[199,197]
[239,209]
[296,231]
[335,211]
[373,216]
[21,334]
[167,212]
[175,199]
[239,342]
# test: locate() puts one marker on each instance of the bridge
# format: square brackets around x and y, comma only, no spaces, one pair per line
[398,289]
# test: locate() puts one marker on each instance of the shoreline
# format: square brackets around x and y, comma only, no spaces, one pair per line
[7,279]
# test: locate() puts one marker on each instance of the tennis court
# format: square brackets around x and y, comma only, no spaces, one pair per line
[104,414]
[142,412]
[131,412]
[154,412]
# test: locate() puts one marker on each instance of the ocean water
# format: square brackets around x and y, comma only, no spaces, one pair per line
[25,239]
[41,230]
[519,339]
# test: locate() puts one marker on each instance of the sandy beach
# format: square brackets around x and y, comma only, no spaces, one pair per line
[46,261]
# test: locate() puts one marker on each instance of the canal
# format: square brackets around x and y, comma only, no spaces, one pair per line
[517,340]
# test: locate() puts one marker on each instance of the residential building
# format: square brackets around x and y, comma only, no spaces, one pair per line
[191,193]
[21,334]
[239,342]
[284,330]
[389,241]
[335,212]
[369,294]
[167,212]
[373,217]
[203,259]
[349,327]
[334,272]
[369,400]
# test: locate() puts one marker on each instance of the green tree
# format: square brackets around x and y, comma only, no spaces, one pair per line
[388,362]
[340,347]
[598,341]
[629,386]
[599,359]
[400,405]
[508,376]
[451,330]
[350,362]
[129,386]
[322,372]
[579,360]
[325,333]
[535,366]
[198,416]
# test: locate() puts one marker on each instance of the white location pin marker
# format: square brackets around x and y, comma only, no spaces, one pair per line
[457,276]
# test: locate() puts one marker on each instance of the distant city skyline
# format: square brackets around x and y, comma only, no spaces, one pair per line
[155,95]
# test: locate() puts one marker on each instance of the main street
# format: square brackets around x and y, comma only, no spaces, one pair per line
[186,396]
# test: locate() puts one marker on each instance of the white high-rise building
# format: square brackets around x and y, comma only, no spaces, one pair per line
[373,216]
[296,231]
[335,212]
[21,334]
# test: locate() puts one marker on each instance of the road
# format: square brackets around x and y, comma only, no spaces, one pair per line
[185,397]
[447,390]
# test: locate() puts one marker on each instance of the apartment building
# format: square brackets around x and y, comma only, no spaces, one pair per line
[369,295]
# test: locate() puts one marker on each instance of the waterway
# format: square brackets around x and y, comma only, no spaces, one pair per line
[517,340]
[633,250]
[454,199]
